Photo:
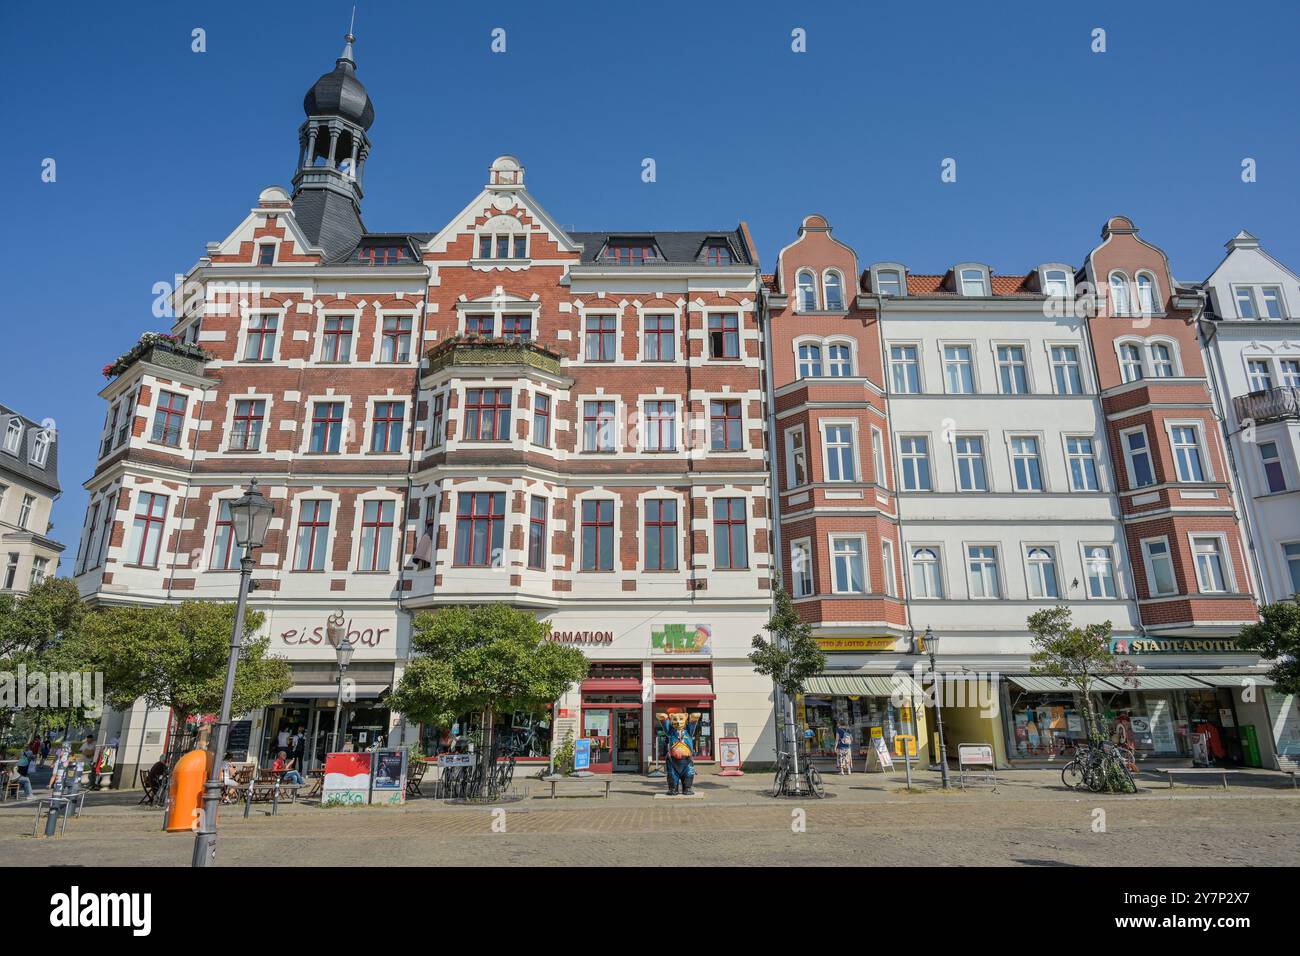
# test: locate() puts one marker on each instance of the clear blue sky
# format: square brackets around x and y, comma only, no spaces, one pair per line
[161,150]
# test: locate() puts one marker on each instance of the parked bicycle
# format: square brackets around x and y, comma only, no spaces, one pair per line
[1094,766]
[786,781]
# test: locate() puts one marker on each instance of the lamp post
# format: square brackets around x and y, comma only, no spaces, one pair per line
[932,647]
[336,632]
[251,516]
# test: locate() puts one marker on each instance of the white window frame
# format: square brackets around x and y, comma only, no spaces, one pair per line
[904,457]
[999,364]
[1129,455]
[946,363]
[972,274]
[1225,561]
[1071,457]
[1056,365]
[958,457]
[892,363]
[1053,561]
[889,573]
[852,426]
[801,304]
[878,457]
[1149,565]
[1114,571]
[997,570]
[1201,446]
[1012,458]
[827,275]
[835,555]
[913,577]
[1121,304]
[791,454]
[798,576]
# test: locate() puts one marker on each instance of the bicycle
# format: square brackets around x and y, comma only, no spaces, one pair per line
[1091,767]
[811,777]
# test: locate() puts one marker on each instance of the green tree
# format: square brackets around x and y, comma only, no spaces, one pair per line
[1076,655]
[176,656]
[39,630]
[1276,637]
[789,657]
[484,659]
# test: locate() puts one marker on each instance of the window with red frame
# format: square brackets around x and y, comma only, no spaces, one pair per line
[150,516]
[436,424]
[337,344]
[376,535]
[598,421]
[660,338]
[246,428]
[718,255]
[326,428]
[383,255]
[517,326]
[260,346]
[660,535]
[487,414]
[724,336]
[225,552]
[629,253]
[730,548]
[484,325]
[598,535]
[725,422]
[169,419]
[541,420]
[480,528]
[395,344]
[602,338]
[313,535]
[537,533]
[386,427]
[660,426]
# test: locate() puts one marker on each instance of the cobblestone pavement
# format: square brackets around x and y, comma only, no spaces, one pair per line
[865,821]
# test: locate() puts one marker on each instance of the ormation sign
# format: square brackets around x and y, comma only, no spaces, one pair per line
[1172,645]
[682,639]
[599,638]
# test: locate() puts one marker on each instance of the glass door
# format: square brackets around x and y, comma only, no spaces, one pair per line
[627,753]
[596,727]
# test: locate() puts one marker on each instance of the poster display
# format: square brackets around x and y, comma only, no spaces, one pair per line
[1162,726]
[582,754]
[388,785]
[347,779]
[729,757]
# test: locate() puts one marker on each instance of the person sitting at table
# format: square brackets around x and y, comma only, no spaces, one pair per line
[22,773]
[290,775]
[157,773]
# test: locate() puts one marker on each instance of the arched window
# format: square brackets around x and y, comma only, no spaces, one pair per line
[810,360]
[1162,360]
[889,282]
[841,360]
[1042,574]
[1056,283]
[13,436]
[834,291]
[1146,294]
[40,448]
[807,292]
[1119,299]
[1130,362]
[927,581]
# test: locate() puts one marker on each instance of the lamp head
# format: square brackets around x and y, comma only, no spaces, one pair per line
[251,517]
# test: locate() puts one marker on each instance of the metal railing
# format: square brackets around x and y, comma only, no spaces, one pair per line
[1273,404]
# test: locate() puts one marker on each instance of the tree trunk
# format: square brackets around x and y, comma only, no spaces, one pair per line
[1089,715]
[487,746]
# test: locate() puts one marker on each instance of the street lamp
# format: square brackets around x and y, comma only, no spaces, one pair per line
[251,517]
[932,647]
[336,632]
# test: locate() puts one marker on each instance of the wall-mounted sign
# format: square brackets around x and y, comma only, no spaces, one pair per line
[599,638]
[1173,645]
[366,636]
[856,643]
[455,760]
[682,639]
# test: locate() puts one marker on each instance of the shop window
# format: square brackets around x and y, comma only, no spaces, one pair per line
[682,672]
[614,671]
[864,717]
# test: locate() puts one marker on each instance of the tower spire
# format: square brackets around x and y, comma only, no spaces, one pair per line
[346,55]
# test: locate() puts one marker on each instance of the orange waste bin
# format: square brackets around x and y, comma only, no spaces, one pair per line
[186,791]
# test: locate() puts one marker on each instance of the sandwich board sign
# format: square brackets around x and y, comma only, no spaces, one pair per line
[582,753]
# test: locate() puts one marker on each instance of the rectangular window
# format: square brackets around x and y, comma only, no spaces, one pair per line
[246,427]
[436,425]
[11,571]
[1291,552]
[724,336]
[972,282]
[1026,467]
[169,419]
[266,254]
[598,426]
[1082,463]
[313,535]
[537,533]
[660,338]
[386,427]
[517,326]
[837,440]
[107,536]
[487,414]
[541,420]
[150,515]
[660,426]
[124,426]
[1130,363]
[878,456]
[660,535]
[337,343]
[796,458]
[887,567]
[112,430]
[260,346]
[1290,372]
[1065,370]
[376,535]
[226,554]
[630,253]
[889,282]
[395,344]
[25,510]
[914,457]
[602,338]
[326,428]
[1246,303]
[1042,573]
[905,369]
[1187,453]
[927,574]
[1159,567]
[483,326]
[982,561]
[1138,457]
[971,474]
[92,534]
[1259,374]
[1210,575]
[38,570]
[958,369]
[598,535]
[841,361]
[810,360]
[480,528]
[730,548]
[1099,562]
[846,565]
[1271,460]
[1270,297]
[801,567]
[725,426]
[1013,374]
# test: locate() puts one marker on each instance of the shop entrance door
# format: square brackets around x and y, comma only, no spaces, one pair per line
[627,739]
[597,724]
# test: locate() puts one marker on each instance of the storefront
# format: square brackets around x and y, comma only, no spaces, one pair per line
[888,707]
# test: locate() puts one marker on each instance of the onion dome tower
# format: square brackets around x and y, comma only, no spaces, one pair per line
[333,146]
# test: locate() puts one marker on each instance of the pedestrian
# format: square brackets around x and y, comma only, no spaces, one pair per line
[299,741]
[45,748]
[844,749]
[282,738]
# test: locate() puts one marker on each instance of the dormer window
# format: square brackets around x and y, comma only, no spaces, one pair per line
[889,282]
[40,449]
[629,252]
[718,254]
[383,255]
[834,292]
[807,291]
[1056,283]
[974,282]
[13,436]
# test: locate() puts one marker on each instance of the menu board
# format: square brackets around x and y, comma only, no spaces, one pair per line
[237,739]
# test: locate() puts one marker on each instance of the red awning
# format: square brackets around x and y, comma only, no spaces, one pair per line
[617,685]
[704,692]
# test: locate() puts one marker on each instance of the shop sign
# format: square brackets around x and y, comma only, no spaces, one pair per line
[843,644]
[368,636]
[1123,645]
[682,639]
[455,760]
[974,755]
[596,638]
[904,740]
[582,753]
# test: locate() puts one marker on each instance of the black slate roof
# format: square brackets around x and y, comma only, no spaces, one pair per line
[329,220]
[675,247]
[20,464]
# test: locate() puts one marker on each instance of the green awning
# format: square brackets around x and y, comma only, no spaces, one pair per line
[1233,680]
[863,685]
[1162,682]
[1042,684]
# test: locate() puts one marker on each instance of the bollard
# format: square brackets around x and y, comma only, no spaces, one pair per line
[52,819]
